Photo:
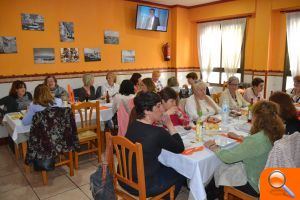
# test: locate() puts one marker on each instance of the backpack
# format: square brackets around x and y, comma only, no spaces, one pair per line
[101,184]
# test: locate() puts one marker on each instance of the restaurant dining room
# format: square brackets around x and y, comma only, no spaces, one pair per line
[149,99]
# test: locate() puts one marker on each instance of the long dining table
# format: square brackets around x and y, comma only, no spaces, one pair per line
[199,165]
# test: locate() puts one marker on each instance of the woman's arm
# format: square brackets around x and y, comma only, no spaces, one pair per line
[29,115]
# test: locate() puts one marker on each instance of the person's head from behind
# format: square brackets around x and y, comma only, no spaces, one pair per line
[155,75]
[88,80]
[18,89]
[191,77]
[286,106]
[172,82]
[126,88]
[199,90]
[42,96]
[297,82]
[258,84]
[51,82]
[148,106]
[111,78]
[151,11]
[266,118]
[148,85]
[168,97]
[136,79]
[233,84]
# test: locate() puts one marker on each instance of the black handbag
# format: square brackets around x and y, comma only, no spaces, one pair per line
[41,165]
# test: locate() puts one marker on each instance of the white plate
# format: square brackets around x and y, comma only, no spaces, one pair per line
[223,141]
[245,127]
[182,131]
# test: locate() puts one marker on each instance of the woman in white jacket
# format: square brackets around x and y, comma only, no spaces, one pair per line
[231,94]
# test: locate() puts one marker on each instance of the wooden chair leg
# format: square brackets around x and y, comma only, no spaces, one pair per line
[71,167]
[99,151]
[76,160]
[45,177]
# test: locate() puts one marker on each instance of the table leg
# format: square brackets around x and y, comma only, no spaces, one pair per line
[24,151]
[17,151]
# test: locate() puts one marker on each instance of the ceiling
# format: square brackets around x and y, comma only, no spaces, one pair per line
[181,2]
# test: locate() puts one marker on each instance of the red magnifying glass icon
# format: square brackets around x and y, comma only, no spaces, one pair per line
[277,180]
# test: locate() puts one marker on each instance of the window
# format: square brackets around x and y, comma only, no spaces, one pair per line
[221,49]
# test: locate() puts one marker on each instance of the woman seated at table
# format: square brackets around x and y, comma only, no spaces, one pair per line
[55,89]
[42,99]
[267,127]
[158,177]
[136,79]
[87,92]
[18,99]
[126,93]
[255,92]
[199,103]
[148,85]
[288,111]
[173,83]
[169,102]
[232,96]
[295,92]
[110,86]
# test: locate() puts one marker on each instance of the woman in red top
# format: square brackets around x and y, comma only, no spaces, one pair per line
[169,101]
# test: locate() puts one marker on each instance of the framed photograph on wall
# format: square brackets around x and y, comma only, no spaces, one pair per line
[43,55]
[111,37]
[66,31]
[8,45]
[69,55]
[32,22]
[128,56]
[92,54]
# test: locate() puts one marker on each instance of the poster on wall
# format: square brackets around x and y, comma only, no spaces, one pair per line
[111,37]
[32,22]
[128,56]
[69,55]
[43,55]
[8,45]
[66,31]
[92,54]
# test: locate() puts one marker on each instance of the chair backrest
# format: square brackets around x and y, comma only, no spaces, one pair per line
[225,84]
[126,153]
[89,115]
[71,94]
[216,97]
[285,152]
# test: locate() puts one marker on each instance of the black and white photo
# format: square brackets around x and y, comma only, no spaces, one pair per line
[43,55]
[92,54]
[128,56]
[8,45]
[66,31]
[32,22]
[111,37]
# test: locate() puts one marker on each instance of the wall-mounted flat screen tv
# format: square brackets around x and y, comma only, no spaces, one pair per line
[151,18]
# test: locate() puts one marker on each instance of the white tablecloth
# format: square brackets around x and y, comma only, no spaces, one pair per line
[19,132]
[200,166]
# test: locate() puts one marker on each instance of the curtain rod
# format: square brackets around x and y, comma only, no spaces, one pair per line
[222,19]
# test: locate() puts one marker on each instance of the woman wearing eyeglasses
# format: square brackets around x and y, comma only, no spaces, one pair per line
[256,91]
[231,94]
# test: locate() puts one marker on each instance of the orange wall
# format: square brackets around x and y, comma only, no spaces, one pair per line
[90,19]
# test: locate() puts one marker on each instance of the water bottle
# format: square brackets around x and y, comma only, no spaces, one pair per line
[225,111]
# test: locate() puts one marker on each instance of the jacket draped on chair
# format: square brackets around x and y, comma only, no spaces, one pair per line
[53,131]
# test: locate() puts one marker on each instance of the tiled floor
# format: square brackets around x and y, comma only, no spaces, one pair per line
[15,184]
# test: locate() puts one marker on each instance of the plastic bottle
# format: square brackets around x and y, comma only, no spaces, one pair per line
[225,111]
[250,111]
[199,127]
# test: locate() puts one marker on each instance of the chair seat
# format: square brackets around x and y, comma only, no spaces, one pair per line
[87,135]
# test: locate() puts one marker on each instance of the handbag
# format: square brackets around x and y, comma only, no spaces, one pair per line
[44,165]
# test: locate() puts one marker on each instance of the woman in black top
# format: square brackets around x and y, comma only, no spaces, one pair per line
[18,99]
[87,92]
[288,111]
[153,139]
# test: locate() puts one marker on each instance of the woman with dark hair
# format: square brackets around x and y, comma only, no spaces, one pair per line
[255,92]
[158,177]
[42,99]
[18,98]
[136,79]
[267,127]
[56,90]
[126,93]
[288,111]
[169,101]
[295,92]
[148,85]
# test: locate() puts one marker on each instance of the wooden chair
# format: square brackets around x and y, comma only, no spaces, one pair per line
[88,129]
[216,97]
[225,85]
[122,169]
[231,193]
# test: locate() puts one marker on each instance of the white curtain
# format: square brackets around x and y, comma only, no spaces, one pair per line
[232,40]
[293,41]
[209,47]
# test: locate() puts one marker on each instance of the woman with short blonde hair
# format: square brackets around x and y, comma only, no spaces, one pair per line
[199,103]
[110,87]
[87,92]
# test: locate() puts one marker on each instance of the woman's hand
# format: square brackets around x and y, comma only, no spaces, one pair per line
[171,111]
[168,123]
[211,145]
[235,136]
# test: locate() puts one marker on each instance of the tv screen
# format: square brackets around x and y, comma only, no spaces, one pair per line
[151,18]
